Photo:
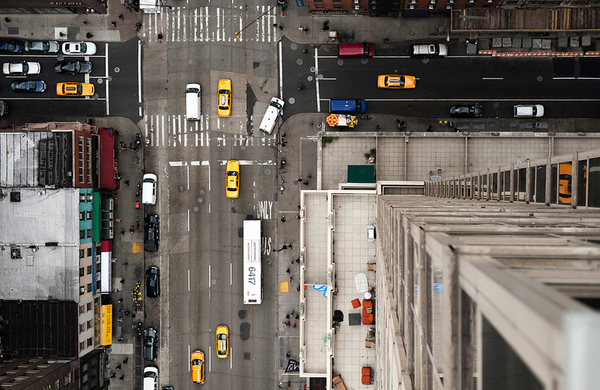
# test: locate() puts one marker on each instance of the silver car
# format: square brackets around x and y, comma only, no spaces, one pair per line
[42,46]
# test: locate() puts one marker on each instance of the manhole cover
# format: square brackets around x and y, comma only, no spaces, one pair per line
[213,281]
[202,191]
[294,46]
[340,62]
[117,69]
[364,60]
[200,199]
[291,100]
[309,78]
[181,188]
[425,60]
[262,57]
[247,355]
[299,61]
[320,76]
[312,69]
[268,260]
[196,209]
[244,330]
[190,61]
[100,81]
[540,78]
[267,171]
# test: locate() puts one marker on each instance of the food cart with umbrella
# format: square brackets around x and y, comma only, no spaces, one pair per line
[334,120]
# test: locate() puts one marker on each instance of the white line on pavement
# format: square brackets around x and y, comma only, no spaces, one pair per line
[318,80]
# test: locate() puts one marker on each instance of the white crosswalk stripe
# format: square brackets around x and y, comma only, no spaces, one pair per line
[212,24]
[175,131]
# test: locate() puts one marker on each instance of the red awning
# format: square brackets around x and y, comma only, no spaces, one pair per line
[108,164]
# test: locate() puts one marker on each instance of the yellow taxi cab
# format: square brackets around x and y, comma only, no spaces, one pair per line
[233,179]
[224,98]
[197,362]
[222,341]
[564,183]
[75,89]
[396,81]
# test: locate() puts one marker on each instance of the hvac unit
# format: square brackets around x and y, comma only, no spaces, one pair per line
[432,1]
[357,7]
[356,1]
[430,6]
[448,6]
[411,6]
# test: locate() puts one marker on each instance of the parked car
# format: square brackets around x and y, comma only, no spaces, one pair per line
[42,46]
[565,180]
[232,189]
[79,48]
[430,50]
[224,98]
[73,67]
[467,111]
[153,282]
[28,86]
[11,46]
[3,108]
[529,111]
[150,344]
[21,68]
[75,89]
[396,81]
[150,378]
[151,236]
[197,366]
[222,341]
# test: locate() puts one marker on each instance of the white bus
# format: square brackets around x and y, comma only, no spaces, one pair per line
[252,265]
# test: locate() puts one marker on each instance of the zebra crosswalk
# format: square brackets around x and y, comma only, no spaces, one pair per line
[176,131]
[211,24]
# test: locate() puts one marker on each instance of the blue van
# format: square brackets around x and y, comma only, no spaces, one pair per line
[338,105]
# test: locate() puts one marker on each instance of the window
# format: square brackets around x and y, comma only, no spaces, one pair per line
[88,165]
[81,197]
[89,269]
[337,6]
[89,252]
[89,215]
[81,159]
[90,342]
[82,234]
[81,253]
[89,324]
[89,287]
[88,233]
[319,6]
[81,272]
[81,290]
[89,306]
[82,346]
[81,215]
[81,327]
[81,309]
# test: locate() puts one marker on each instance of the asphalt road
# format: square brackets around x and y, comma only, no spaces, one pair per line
[114,75]
[566,87]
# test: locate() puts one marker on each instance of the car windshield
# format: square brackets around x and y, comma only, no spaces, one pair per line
[232,173]
[83,47]
[196,362]
[276,105]
[221,336]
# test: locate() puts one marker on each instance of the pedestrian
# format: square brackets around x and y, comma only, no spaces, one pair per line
[123,232]
[126,360]
[127,182]
[284,247]
[289,246]
[299,181]
[301,28]
[301,87]
[114,23]
[118,219]
[122,280]
[275,25]
[287,316]
[293,326]
[127,312]
[378,127]
[89,35]
[160,37]
[289,384]
[287,323]
[62,34]
[120,300]
[122,377]
[7,20]
[114,260]
[305,30]
[281,27]
[121,17]
[298,260]
[131,229]
[86,23]
[118,367]
[120,319]
[125,264]
[297,217]
[121,310]
[291,279]
[305,182]
[293,312]
[283,219]
[120,339]
[114,374]
[292,262]
[288,355]
[430,128]
[304,51]
[298,288]
[309,177]
[287,270]
[385,40]
[297,315]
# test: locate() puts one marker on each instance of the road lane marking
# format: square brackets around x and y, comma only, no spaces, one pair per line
[189,280]
[230,274]
[492,78]
[189,354]
[317,83]
[209,271]
[281,71]
[139,77]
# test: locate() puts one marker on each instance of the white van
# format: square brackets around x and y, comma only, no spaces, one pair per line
[528,111]
[430,50]
[268,122]
[149,188]
[150,378]
[193,100]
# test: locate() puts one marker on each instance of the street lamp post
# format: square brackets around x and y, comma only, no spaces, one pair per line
[237,34]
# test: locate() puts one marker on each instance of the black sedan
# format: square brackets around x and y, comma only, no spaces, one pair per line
[153,282]
[151,237]
[467,111]
[73,67]
[28,86]
[11,46]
